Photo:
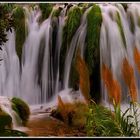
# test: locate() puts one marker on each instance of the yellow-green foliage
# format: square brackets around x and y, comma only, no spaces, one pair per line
[94,20]
[72,23]
[100,122]
[5,120]
[46,9]
[19,24]
[21,108]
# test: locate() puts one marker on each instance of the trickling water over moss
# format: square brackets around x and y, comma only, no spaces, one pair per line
[46,9]
[92,52]
[72,23]
[118,19]
[19,24]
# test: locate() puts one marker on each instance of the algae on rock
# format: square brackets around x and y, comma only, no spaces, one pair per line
[92,52]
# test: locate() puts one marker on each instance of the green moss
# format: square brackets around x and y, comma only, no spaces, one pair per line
[118,19]
[22,109]
[19,24]
[92,52]
[72,23]
[94,20]
[5,120]
[132,26]
[56,12]
[46,9]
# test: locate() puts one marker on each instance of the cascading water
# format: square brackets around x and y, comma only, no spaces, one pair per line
[116,43]
[37,80]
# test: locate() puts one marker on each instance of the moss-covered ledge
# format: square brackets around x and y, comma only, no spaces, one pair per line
[92,52]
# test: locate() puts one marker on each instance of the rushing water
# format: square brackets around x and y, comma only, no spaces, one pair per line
[112,48]
[38,78]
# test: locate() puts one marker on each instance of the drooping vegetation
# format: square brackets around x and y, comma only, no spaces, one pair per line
[6,22]
[19,26]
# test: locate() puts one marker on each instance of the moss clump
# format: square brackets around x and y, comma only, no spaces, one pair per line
[5,120]
[94,20]
[56,12]
[19,25]
[22,109]
[118,19]
[72,23]
[92,52]
[46,9]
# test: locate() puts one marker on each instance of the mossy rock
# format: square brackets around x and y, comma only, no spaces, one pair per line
[21,108]
[72,23]
[19,26]
[92,51]
[12,133]
[94,20]
[56,12]
[46,9]
[5,120]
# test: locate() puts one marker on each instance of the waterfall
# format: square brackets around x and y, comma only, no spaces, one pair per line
[36,79]
[115,45]
[78,40]
[58,47]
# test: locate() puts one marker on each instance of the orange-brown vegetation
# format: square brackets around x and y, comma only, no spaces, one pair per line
[129,78]
[112,85]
